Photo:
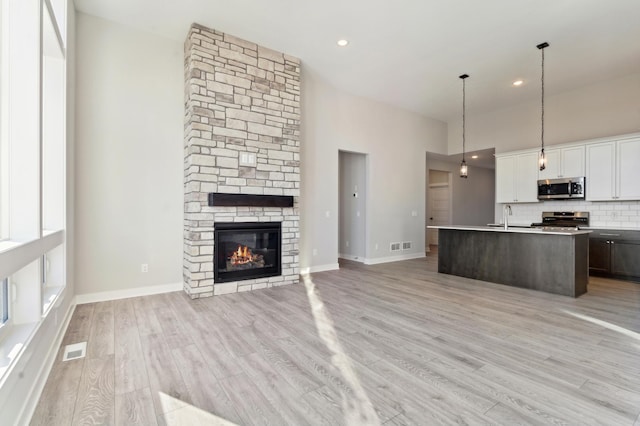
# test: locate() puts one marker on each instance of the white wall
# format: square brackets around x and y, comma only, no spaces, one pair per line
[396,141]
[473,199]
[129,159]
[604,109]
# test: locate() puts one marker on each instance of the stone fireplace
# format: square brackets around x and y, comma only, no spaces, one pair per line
[242,136]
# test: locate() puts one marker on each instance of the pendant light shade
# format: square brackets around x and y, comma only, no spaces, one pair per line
[464,170]
[542,159]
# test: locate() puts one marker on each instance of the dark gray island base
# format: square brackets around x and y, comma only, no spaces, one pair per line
[545,261]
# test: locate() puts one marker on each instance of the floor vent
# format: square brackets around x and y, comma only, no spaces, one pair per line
[395,246]
[75,351]
[406,245]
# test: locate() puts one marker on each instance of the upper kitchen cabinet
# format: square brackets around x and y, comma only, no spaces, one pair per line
[516,178]
[566,162]
[612,170]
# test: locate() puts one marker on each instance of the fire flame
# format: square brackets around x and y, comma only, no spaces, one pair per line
[242,255]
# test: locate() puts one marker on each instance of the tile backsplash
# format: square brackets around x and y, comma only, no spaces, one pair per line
[609,214]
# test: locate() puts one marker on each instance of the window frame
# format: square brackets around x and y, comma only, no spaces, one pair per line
[4,123]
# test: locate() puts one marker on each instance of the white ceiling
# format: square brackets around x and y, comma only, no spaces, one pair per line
[409,53]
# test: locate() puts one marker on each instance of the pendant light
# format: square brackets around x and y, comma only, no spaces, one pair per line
[542,160]
[463,166]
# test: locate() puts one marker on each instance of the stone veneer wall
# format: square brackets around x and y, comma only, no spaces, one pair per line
[240,98]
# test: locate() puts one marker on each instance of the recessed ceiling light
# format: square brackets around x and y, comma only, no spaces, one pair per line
[474,156]
[343,42]
[518,83]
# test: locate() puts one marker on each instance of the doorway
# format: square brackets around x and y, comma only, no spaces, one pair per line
[438,203]
[352,206]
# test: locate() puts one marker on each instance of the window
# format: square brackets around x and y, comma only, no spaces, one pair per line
[4,146]
[53,124]
[33,73]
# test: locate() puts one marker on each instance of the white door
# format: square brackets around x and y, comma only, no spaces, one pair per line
[439,209]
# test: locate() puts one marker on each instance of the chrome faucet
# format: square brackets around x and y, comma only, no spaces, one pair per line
[506,212]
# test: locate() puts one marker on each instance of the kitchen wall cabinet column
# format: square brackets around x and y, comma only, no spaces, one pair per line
[612,172]
[564,162]
[516,178]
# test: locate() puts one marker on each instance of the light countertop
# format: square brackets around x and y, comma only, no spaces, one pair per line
[514,229]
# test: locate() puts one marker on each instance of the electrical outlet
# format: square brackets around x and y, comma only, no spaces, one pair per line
[144,268]
[376,246]
[314,252]
[347,243]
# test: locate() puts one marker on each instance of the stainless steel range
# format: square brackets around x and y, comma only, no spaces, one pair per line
[563,220]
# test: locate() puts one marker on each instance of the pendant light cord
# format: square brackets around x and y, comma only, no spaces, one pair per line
[542,120]
[464,108]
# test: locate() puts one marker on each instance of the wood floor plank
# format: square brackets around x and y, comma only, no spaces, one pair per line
[96,399]
[505,415]
[577,409]
[130,367]
[168,389]
[253,407]
[101,336]
[146,318]
[80,325]
[135,408]
[206,393]
[280,394]
[59,395]
[332,404]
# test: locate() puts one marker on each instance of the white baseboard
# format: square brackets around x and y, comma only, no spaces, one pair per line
[351,257]
[319,268]
[397,258]
[43,375]
[103,296]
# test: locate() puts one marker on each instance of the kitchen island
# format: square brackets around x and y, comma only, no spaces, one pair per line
[554,261]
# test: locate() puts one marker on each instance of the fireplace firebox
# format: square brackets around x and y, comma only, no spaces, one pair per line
[243,251]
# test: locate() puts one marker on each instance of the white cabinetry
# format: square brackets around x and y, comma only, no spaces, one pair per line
[564,162]
[613,170]
[516,178]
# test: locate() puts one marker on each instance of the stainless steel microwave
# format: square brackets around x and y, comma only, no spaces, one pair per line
[561,189]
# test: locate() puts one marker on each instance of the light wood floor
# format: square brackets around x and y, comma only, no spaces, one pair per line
[386,344]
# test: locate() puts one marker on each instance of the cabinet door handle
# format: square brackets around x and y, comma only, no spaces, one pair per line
[604,234]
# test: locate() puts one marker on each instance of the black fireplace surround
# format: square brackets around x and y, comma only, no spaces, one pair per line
[247,250]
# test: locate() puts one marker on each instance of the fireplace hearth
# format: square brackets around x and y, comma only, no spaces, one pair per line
[244,251]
